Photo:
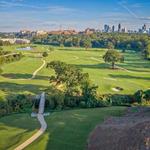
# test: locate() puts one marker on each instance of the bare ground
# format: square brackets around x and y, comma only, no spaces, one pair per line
[130,132]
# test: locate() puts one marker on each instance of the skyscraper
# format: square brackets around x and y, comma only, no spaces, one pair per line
[106,28]
[113,28]
[119,27]
[144,27]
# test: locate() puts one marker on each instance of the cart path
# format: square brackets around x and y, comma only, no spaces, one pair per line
[42,122]
[36,71]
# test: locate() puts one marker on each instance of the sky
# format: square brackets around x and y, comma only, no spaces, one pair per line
[48,15]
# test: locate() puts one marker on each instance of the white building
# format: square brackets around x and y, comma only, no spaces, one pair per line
[16,40]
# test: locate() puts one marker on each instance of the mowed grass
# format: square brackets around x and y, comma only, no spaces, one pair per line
[135,77]
[15,129]
[69,130]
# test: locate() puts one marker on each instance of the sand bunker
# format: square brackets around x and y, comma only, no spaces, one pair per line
[117,89]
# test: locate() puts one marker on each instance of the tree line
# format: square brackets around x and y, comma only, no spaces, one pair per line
[123,41]
[8,57]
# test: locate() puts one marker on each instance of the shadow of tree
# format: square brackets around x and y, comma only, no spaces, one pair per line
[82,49]
[14,87]
[23,76]
[129,77]
[94,66]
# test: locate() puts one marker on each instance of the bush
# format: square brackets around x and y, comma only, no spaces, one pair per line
[142,97]
[138,96]
[54,98]
[147,95]
[15,103]
[45,54]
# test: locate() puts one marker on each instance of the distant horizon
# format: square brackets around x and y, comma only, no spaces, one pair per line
[48,15]
[78,30]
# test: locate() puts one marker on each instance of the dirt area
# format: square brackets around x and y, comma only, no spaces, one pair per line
[130,132]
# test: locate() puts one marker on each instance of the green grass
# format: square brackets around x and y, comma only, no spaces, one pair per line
[67,130]
[91,61]
[15,129]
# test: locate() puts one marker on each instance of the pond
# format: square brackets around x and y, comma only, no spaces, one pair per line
[25,48]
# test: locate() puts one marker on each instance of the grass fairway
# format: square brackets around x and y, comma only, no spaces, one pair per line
[69,130]
[15,129]
[133,77]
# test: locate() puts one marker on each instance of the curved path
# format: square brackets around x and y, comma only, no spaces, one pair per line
[43,124]
[36,71]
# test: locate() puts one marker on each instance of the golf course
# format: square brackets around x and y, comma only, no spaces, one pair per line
[131,76]
[68,129]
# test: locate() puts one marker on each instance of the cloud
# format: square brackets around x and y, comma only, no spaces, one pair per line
[137,5]
[60,9]
[124,5]
[50,9]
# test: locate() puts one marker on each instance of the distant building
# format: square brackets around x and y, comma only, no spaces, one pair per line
[119,27]
[22,41]
[16,40]
[149,31]
[106,28]
[89,31]
[63,32]
[144,27]
[124,30]
[41,32]
[113,28]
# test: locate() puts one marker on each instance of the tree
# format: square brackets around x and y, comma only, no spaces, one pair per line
[1,48]
[89,92]
[146,52]
[87,43]
[110,45]
[51,49]
[45,54]
[68,75]
[113,56]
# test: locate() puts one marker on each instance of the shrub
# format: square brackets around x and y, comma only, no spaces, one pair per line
[54,98]
[45,54]
[147,95]
[138,96]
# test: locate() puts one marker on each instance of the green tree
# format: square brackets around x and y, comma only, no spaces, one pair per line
[110,45]
[89,92]
[45,54]
[87,43]
[51,49]
[146,52]
[70,76]
[113,56]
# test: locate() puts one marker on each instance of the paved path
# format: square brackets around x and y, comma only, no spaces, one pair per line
[36,71]
[43,124]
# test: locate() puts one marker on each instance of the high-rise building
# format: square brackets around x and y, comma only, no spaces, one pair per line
[113,28]
[106,28]
[144,27]
[119,27]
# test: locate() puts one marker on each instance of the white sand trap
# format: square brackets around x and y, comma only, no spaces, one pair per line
[110,79]
[115,90]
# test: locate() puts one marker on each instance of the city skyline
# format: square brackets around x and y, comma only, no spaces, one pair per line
[50,15]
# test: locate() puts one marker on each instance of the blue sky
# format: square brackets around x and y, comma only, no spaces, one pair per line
[69,14]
